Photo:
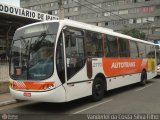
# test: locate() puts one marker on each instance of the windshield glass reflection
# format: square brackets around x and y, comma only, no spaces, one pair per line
[32,58]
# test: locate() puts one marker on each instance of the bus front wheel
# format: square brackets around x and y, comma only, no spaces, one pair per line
[143,78]
[97,89]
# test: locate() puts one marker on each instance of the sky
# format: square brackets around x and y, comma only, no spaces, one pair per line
[11,2]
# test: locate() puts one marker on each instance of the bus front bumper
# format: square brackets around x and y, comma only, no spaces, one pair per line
[56,95]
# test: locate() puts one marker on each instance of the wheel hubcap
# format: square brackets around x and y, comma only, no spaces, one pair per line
[98,89]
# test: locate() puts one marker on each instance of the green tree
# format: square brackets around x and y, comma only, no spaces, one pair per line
[134,33]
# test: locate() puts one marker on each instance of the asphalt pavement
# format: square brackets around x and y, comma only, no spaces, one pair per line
[6,99]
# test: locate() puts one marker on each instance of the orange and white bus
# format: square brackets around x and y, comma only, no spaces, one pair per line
[63,60]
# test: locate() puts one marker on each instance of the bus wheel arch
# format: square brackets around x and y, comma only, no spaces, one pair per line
[98,87]
[143,80]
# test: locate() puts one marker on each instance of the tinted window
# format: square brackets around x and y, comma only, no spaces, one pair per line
[33,57]
[123,47]
[148,51]
[142,49]
[75,55]
[94,44]
[133,49]
[152,48]
[110,46]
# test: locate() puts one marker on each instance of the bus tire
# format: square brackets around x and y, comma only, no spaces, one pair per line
[98,88]
[143,78]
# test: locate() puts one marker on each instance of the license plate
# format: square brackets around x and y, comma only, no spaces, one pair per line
[27,94]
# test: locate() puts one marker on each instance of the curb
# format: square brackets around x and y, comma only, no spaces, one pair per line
[7,102]
[4,87]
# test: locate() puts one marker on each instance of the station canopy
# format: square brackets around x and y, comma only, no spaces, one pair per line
[11,18]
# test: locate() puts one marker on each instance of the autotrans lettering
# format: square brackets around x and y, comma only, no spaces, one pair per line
[123,65]
[117,67]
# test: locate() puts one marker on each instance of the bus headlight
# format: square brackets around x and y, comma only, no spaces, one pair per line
[49,86]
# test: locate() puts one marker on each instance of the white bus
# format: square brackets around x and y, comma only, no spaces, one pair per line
[158,58]
[63,60]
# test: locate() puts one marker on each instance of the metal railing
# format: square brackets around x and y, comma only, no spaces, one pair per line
[4,70]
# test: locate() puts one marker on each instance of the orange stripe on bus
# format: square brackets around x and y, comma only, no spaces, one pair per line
[19,85]
[121,66]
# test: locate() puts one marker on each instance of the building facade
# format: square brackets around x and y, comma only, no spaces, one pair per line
[114,14]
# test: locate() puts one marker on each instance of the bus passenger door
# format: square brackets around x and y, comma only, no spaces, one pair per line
[75,62]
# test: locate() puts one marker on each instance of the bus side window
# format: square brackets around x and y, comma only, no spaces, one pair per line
[110,46]
[74,46]
[94,44]
[123,47]
[153,52]
[142,50]
[133,49]
[148,51]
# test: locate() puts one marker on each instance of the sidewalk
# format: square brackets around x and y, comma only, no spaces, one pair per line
[4,87]
[6,99]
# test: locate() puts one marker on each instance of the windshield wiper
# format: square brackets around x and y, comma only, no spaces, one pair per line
[38,42]
[41,37]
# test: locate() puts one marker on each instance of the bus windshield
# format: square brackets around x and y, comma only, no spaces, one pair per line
[32,52]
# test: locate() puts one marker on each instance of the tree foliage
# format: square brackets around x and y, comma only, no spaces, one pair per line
[135,33]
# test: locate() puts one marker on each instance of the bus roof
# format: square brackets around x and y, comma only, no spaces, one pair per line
[81,25]
[92,27]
